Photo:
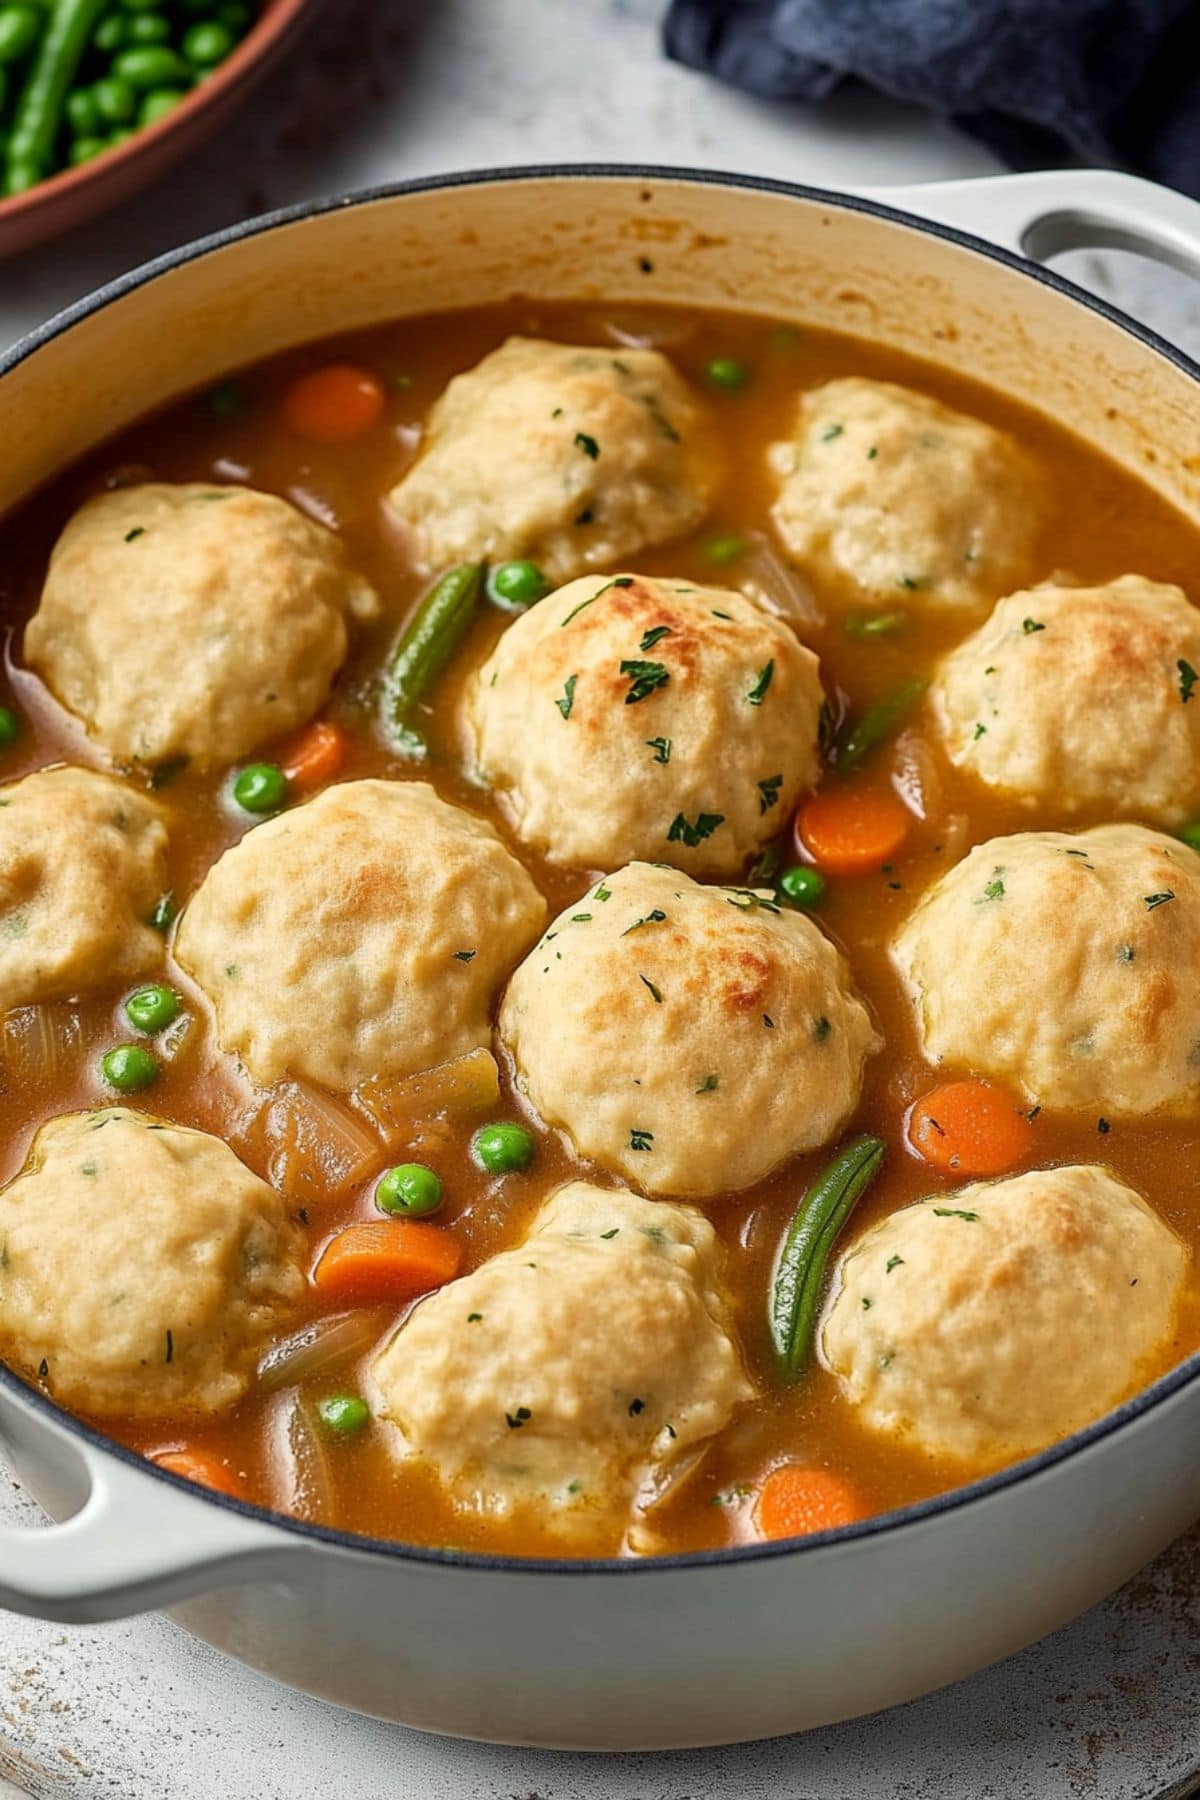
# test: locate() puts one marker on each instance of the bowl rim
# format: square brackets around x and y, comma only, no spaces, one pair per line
[1137,1406]
[269,34]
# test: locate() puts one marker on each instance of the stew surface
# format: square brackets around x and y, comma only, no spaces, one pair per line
[275,1445]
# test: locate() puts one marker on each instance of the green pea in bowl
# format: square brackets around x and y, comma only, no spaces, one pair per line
[98,97]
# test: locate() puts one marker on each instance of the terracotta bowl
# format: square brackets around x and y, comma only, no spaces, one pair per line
[75,195]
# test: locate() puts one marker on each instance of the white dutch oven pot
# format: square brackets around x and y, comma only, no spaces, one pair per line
[691,1649]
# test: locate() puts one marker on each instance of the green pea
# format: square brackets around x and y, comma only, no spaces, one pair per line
[163,915]
[85,148]
[83,115]
[726,549]
[501,1148]
[20,29]
[120,134]
[157,104]
[207,43]
[115,100]
[10,727]
[148,28]
[151,1009]
[343,1414]
[727,372]
[410,1190]
[1190,834]
[801,885]
[111,34]
[149,66]
[514,585]
[261,788]
[128,1068]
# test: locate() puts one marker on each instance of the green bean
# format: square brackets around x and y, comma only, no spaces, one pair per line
[148,66]
[800,1272]
[40,107]
[426,644]
[857,740]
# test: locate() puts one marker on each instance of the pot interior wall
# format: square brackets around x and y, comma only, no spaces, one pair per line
[618,239]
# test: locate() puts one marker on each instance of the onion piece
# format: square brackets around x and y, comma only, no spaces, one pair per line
[316,1141]
[335,1339]
[764,576]
[662,1485]
[468,1083]
[304,1484]
[915,776]
[40,1041]
[636,330]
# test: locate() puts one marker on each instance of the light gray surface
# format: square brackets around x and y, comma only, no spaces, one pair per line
[1109,1708]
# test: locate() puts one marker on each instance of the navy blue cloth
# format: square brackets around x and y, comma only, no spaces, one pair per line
[1115,82]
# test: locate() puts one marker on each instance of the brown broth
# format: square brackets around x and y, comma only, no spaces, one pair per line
[1100,523]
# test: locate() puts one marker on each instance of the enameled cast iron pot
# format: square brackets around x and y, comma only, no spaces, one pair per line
[691,1649]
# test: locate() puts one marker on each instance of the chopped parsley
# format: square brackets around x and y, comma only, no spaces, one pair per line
[954,1212]
[602,893]
[980,731]
[1103,1127]
[681,831]
[514,1421]
[768,1021]
[1187,680]
[645,677]
[830,432]
[583,518]
[910,583]
[893,1262]
[568,696]
[465,955]
[655,993]
[994,889]
[1126,953]
[1153,900]
[655,917]
[474,1318]
[661,748]
[635,1407]
[170,1356]
[641,1140]
[709,1084]
[748,901]
[580,918]
[768,792]
[1028,626]
[609,1235]
[587,444]
[821,1029]
[758,692]
[654,636]
[137,532]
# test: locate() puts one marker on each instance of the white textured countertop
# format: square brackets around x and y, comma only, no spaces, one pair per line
[1109,1708]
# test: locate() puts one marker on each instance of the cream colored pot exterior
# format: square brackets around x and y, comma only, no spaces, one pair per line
[729,1645]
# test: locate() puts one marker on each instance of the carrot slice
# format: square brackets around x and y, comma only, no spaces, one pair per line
[794,1501]
[334,404]
[387,1259]
[315,756]
[203,1468]
[852,830]
[971,1128]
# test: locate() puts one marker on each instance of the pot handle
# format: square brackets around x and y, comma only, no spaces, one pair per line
[1040,215]
[139,1541]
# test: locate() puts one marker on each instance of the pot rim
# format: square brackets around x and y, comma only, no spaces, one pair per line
[1139,1405]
